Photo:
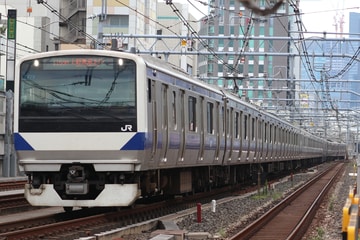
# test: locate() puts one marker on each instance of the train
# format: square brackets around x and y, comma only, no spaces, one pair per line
[101,128]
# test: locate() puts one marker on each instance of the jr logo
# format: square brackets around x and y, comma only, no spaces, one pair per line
[126,128]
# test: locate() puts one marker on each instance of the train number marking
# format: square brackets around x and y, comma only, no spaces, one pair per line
[126,128]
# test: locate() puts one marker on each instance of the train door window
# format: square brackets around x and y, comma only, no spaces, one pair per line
[201,123]
[236,125]
[252,128]
[217,127]
[275,129]
[149,89]
[270,133]
[222,117]
[259,129]
[287,136]
[182,109]
[164,91]
[210,117]
[290,137]
[173,107]
[265,132]
[245,126]
[283,135]
[192,113]
[229,125]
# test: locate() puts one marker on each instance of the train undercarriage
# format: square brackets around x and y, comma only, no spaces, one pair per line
[80,185]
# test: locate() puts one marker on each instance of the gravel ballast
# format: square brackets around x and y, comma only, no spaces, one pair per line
[233,214]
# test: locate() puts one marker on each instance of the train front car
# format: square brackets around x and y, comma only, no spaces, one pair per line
[77,131]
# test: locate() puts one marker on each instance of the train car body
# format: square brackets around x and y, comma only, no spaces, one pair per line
[103,128]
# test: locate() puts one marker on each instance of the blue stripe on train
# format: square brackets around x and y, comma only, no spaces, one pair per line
[137,142]
[21,144]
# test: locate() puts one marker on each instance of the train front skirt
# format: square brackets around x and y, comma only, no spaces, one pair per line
[117,195]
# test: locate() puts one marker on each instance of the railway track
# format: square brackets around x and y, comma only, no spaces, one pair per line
[13,203]
[84,222]
[12,185]
[12,197]
[291,217]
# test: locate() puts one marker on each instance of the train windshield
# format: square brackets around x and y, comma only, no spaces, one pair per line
[77,94]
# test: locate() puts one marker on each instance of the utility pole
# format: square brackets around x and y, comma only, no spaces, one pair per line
[10,163]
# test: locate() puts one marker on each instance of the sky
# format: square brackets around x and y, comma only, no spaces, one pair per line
[318,15]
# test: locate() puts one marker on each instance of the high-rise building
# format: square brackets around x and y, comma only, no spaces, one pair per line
[354,72]
[87,22]
[263,78]
[172,25]
[66,24]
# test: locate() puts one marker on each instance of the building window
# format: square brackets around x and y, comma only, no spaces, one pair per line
[221,43]
[211,29]
[261,68]
[118,20]
[221,29]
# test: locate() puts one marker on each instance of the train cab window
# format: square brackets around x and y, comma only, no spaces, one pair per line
[79,93]
[210,117]
[192,113]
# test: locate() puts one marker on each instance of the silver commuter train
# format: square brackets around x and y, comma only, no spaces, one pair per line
[104,128]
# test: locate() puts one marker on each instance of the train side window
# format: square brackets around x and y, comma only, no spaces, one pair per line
[173,106]
[192,113]
[210,117]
